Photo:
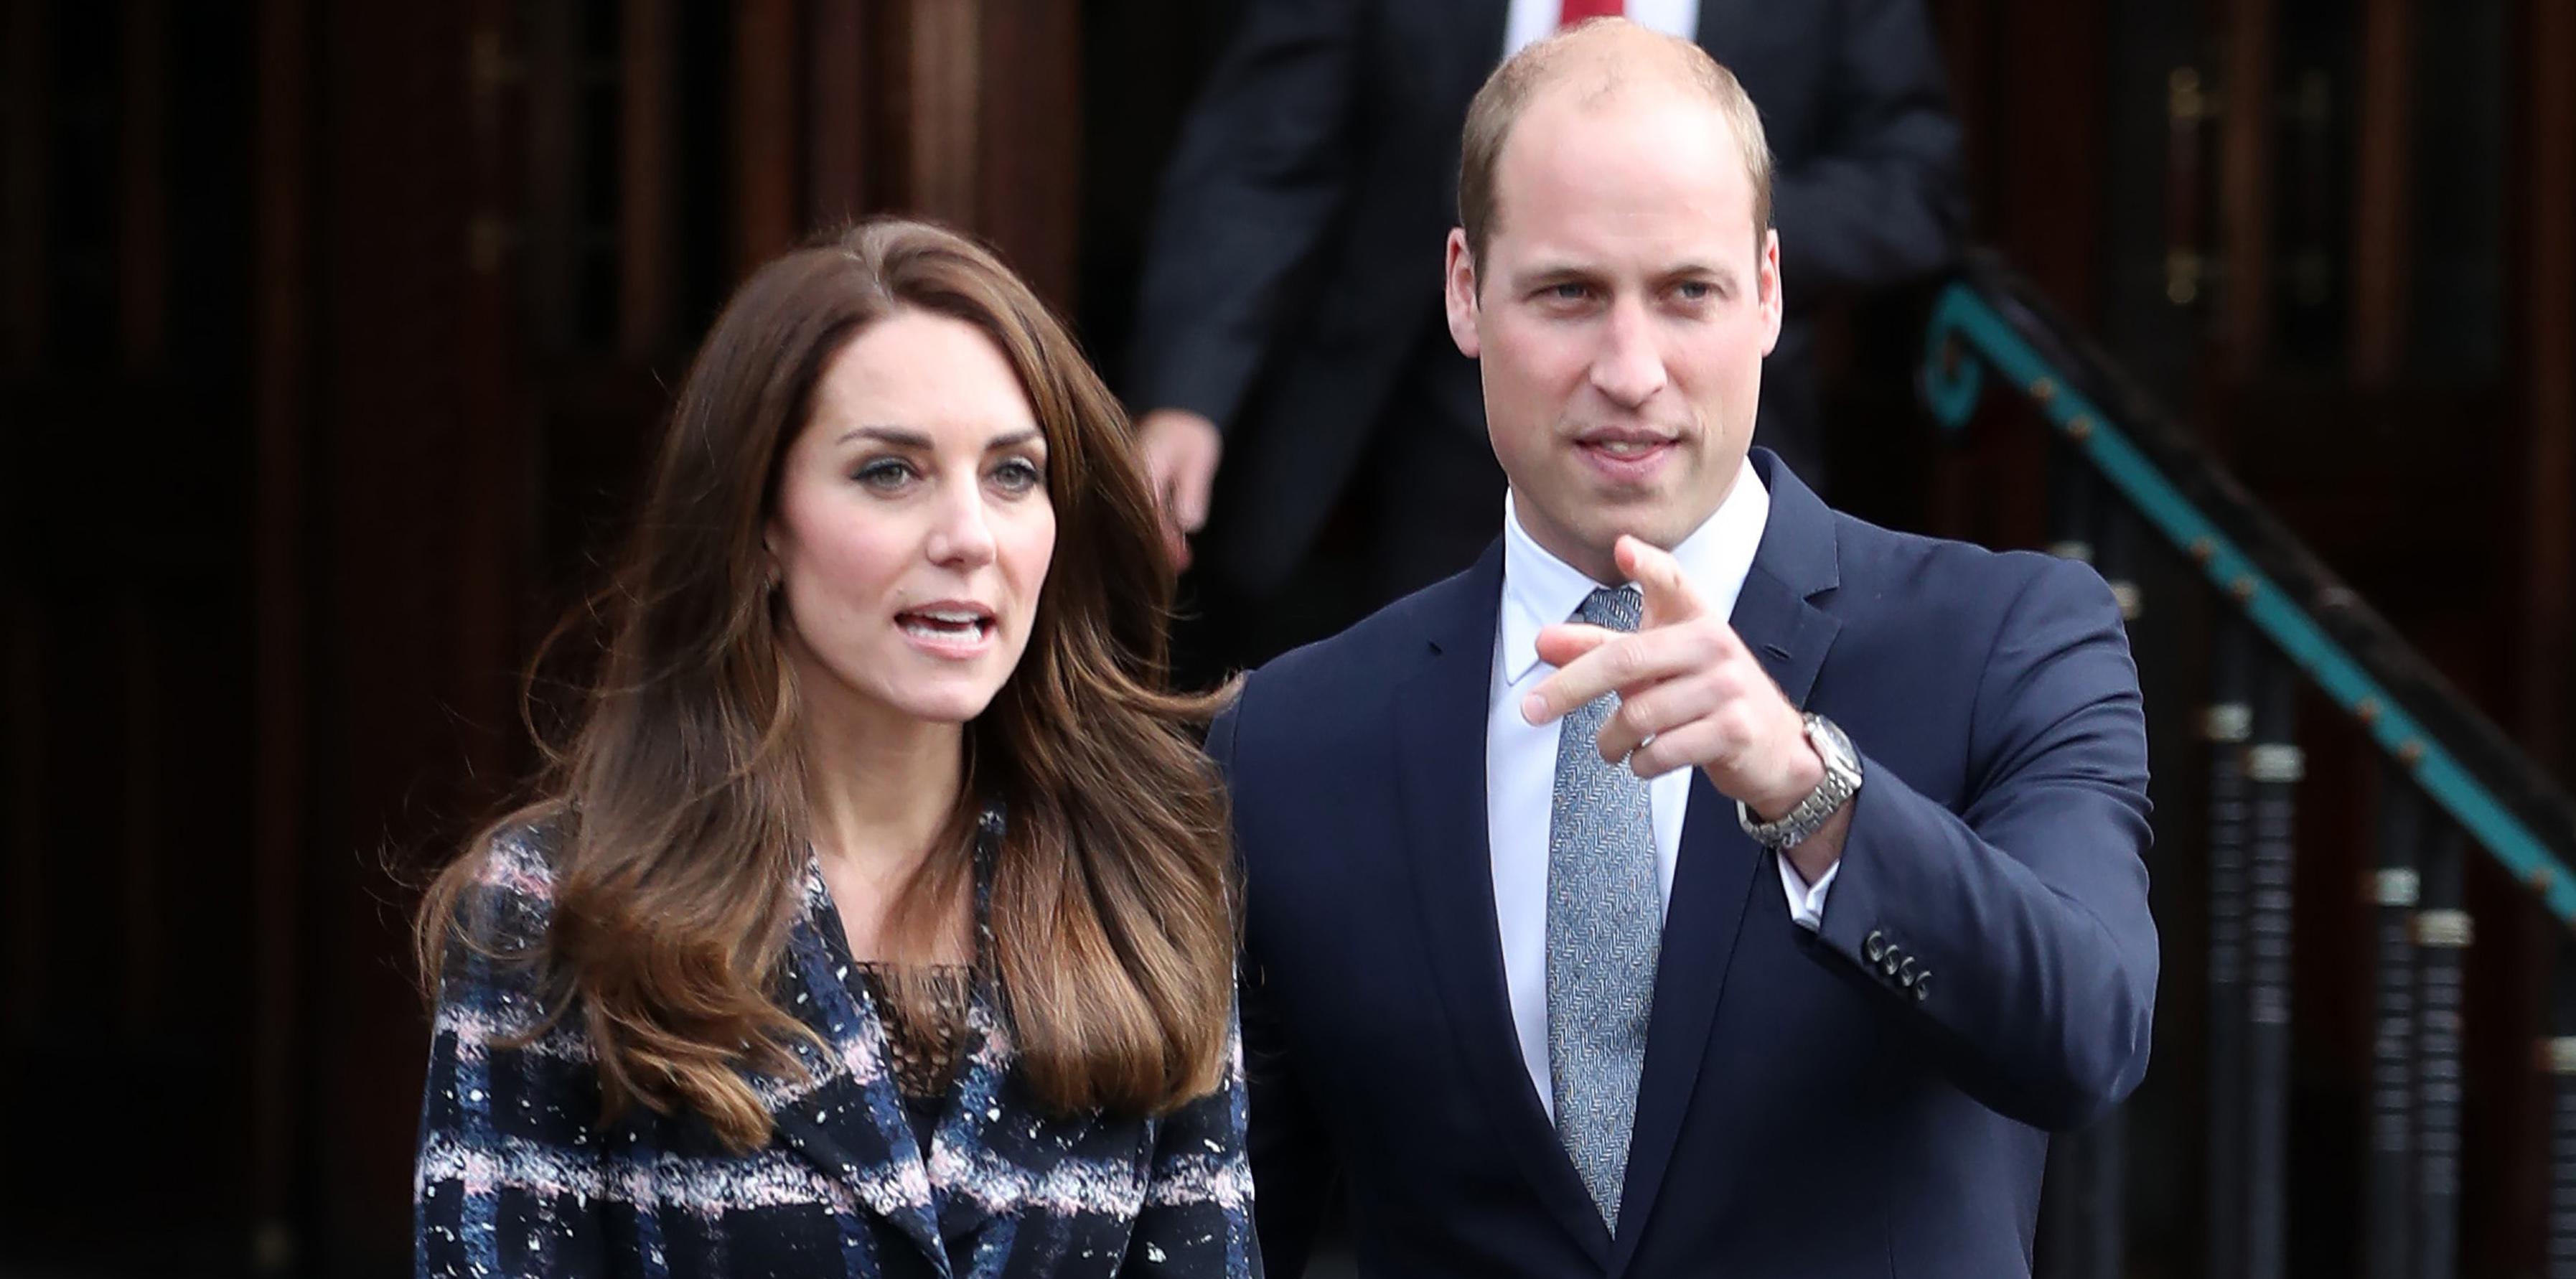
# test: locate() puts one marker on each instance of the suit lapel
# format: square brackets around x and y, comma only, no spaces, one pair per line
[1440,741]
[1722,873]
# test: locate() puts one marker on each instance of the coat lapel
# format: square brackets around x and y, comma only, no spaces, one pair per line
[1722,873]
[963,1191]
[974,1207]
[1440,741]
[873,1153]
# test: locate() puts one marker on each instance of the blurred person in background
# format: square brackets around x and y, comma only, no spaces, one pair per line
[876,918]
[1288,321]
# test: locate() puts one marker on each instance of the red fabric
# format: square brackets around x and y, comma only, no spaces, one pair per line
[1574,11]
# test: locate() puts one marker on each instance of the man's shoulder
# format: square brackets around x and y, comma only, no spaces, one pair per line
[1351,678]
[1375,653]
[1930,604]
[1880,563]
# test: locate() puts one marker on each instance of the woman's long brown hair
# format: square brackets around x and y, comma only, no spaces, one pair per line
[673,811]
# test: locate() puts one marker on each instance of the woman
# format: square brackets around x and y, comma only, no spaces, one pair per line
[876,918]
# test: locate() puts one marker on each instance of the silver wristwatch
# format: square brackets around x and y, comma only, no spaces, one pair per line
[1842,781]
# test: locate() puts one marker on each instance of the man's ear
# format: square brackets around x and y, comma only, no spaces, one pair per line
[1458,291]
[1772,299]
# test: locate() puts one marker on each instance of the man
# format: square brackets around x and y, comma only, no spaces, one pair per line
[1801,988]
[1287,319]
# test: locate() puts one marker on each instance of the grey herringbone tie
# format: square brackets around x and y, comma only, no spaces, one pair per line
[1604,927]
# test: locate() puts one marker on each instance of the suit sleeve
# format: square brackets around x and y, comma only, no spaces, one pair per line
[498,1187]
[2015,934]
[1292,1161]
[1880,199]
[1257,176]
[1197,1215]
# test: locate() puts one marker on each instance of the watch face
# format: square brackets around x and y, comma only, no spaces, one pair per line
[1834,746]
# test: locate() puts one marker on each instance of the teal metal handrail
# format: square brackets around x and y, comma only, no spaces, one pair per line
[1990,317]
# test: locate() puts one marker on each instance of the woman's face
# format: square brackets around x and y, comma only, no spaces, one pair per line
[913,529]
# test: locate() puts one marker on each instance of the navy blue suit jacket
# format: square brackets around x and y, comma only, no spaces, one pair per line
[1870,1100]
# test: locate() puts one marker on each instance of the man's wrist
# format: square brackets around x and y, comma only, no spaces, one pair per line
[1804,817]
[1806,773]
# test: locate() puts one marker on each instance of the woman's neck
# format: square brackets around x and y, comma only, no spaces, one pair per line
[879,788]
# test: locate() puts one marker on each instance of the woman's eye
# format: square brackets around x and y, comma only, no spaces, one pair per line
[1019,475]
[885,474]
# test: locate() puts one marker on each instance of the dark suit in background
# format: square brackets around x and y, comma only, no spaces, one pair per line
[1870,1099]
[1292,282]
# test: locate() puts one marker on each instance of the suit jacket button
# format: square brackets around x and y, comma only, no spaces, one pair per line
[1922,986]
[1876,946]
[1905,972]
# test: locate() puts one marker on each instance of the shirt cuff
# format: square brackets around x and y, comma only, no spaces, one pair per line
[1806,901]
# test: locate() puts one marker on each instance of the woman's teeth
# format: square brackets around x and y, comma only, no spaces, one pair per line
[944,625]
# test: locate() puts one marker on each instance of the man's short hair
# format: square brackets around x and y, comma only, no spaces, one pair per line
[1498,106]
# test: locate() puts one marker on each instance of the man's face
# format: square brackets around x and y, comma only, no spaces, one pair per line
[1620,317]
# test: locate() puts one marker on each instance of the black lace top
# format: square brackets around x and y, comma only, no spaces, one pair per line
[923,1041]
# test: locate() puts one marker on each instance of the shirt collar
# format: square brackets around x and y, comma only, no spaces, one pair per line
[1541,590]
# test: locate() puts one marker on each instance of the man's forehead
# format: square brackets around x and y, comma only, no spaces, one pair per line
[1564,142]
[1577,213]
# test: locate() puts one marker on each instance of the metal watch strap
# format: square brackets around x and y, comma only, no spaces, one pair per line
[1841,782]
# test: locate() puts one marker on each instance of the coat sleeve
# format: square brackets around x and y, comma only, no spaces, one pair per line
[508,1179]
[1258,175]
[1197,1216]
[1880,200]
[1291,1158]
[2014,934]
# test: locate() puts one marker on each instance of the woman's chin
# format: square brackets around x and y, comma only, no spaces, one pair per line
[950,705]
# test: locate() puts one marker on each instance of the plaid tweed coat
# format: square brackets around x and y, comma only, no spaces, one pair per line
[517,1176]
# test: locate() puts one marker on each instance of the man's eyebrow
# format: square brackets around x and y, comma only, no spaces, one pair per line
[1725,275]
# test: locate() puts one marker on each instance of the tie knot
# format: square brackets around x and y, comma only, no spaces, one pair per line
[1616,607]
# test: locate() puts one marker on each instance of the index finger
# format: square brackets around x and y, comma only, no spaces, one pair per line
[1669,597]
[1622,662]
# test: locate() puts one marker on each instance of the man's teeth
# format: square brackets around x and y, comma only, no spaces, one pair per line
[1627,448]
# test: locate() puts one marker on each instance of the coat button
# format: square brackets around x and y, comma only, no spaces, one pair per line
[1905,971]
[1875,946]
[1922,986]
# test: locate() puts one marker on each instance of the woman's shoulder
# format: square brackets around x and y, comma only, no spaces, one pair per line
[503,909]
[517,859]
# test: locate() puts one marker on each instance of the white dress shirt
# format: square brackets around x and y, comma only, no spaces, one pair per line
[1531,19]
[1520,757]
